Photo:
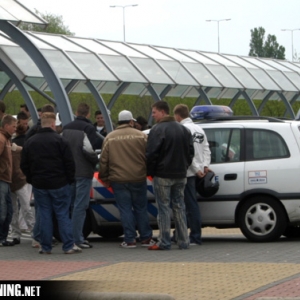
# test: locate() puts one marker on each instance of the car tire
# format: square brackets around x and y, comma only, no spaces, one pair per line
[262,219]
[110,232]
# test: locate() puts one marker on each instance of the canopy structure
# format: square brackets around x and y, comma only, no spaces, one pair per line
[65,64]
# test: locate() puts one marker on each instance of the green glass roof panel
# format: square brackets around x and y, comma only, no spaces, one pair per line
[3,80]
[123,69]
[202,74]
[220,59]
[175,54]
[135,89]
[264,80]
[277,65]
[63,67]
[150,52]
[109,88]
[259,63]
[123,49]
[198,57]
[294,78]
[177,72]
[153,72]
[282,81]
[290,65]
[92,66]
[240,61]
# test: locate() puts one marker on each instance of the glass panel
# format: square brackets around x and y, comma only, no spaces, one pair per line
[177,91]
[123,49]
[3,80]
[135,89]
[230,93]
[4,15]
[62,65]
[22,61]
[260,95]
[240,61]
[175,54]
[37,82]
[19,12]
[294,78]
[202,75]
[64,82]
[214,92]
[152,70]
[60,42]
[265,144]
[220,59]
[38,43]
[224,144]
[158,88]
[81,88]
[109,88]
[224,76]
[123,69]
[193,93]
[264,79]
[93,46]
[178,73]
[282,81]
[258,63]
[150,52]
[290,65]
[277,65]
[92,66]
[245,78]
[6,41]
[198,57]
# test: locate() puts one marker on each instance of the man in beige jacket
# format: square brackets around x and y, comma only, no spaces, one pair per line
[123,167]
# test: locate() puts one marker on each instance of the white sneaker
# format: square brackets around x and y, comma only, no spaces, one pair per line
[75,249]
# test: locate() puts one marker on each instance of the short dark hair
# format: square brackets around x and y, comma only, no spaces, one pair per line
[98,112]
[21,129]
[22,116]
[83,109]
[47,108]
[24,106]
[124,122]
[2,106]
[162,105]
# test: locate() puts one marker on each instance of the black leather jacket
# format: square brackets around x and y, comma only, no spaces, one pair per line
[170,149]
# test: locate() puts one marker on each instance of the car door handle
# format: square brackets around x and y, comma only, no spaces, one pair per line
[230,176]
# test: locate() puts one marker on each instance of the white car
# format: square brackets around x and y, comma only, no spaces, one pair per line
[257,161]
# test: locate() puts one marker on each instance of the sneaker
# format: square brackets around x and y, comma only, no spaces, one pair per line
[41,251]
[85,245]
[6,243]
[75,249]
[35,244]
[155,247]
[128,245]
[148,242]
[16,241]
[54,242]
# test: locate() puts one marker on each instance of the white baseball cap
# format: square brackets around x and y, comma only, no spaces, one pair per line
[125,115]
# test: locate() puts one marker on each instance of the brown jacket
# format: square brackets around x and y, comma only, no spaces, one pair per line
[123,155]
[18,178]
[5,156]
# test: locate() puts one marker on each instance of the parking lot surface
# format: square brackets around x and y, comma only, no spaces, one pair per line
[225,266]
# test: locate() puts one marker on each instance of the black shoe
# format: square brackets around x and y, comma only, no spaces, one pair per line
[16,241]
[7,243]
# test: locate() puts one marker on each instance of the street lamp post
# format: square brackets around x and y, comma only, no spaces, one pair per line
[124,6]
[218,21]
[292,32]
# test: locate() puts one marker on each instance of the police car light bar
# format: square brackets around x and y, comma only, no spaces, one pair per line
[201,112]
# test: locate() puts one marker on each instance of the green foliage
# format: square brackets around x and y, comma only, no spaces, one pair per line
[56,24]
[259,47]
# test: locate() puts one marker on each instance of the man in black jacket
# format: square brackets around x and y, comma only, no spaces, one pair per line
[169,153]
[48,165]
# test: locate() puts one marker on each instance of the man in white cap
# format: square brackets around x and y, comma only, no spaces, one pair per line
[123,167]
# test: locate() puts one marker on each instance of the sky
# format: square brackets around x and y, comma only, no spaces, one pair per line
[180,23]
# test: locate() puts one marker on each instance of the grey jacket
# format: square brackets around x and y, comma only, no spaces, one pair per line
[84,155]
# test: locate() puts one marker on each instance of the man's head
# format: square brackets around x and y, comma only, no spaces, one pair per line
[181,111]
[141,123]
[9,124]
[99,118]
[22,118]
[21,129]
[24,108]
[83,110]
[125,117]
[48,120]
[160,109]
[47,108]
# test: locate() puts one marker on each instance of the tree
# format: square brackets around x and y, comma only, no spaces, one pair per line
[260,47]
[56,24]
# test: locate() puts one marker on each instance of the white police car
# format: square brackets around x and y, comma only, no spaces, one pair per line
[257,162]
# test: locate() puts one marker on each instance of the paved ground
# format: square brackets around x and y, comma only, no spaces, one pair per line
[226,266]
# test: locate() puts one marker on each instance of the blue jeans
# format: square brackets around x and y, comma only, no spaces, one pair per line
[192,210]
[57,201]
[6,210]
[170,193]
[131,199]
[80,203]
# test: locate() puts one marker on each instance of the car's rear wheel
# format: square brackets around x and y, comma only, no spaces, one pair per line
[110,232]
[262,219]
